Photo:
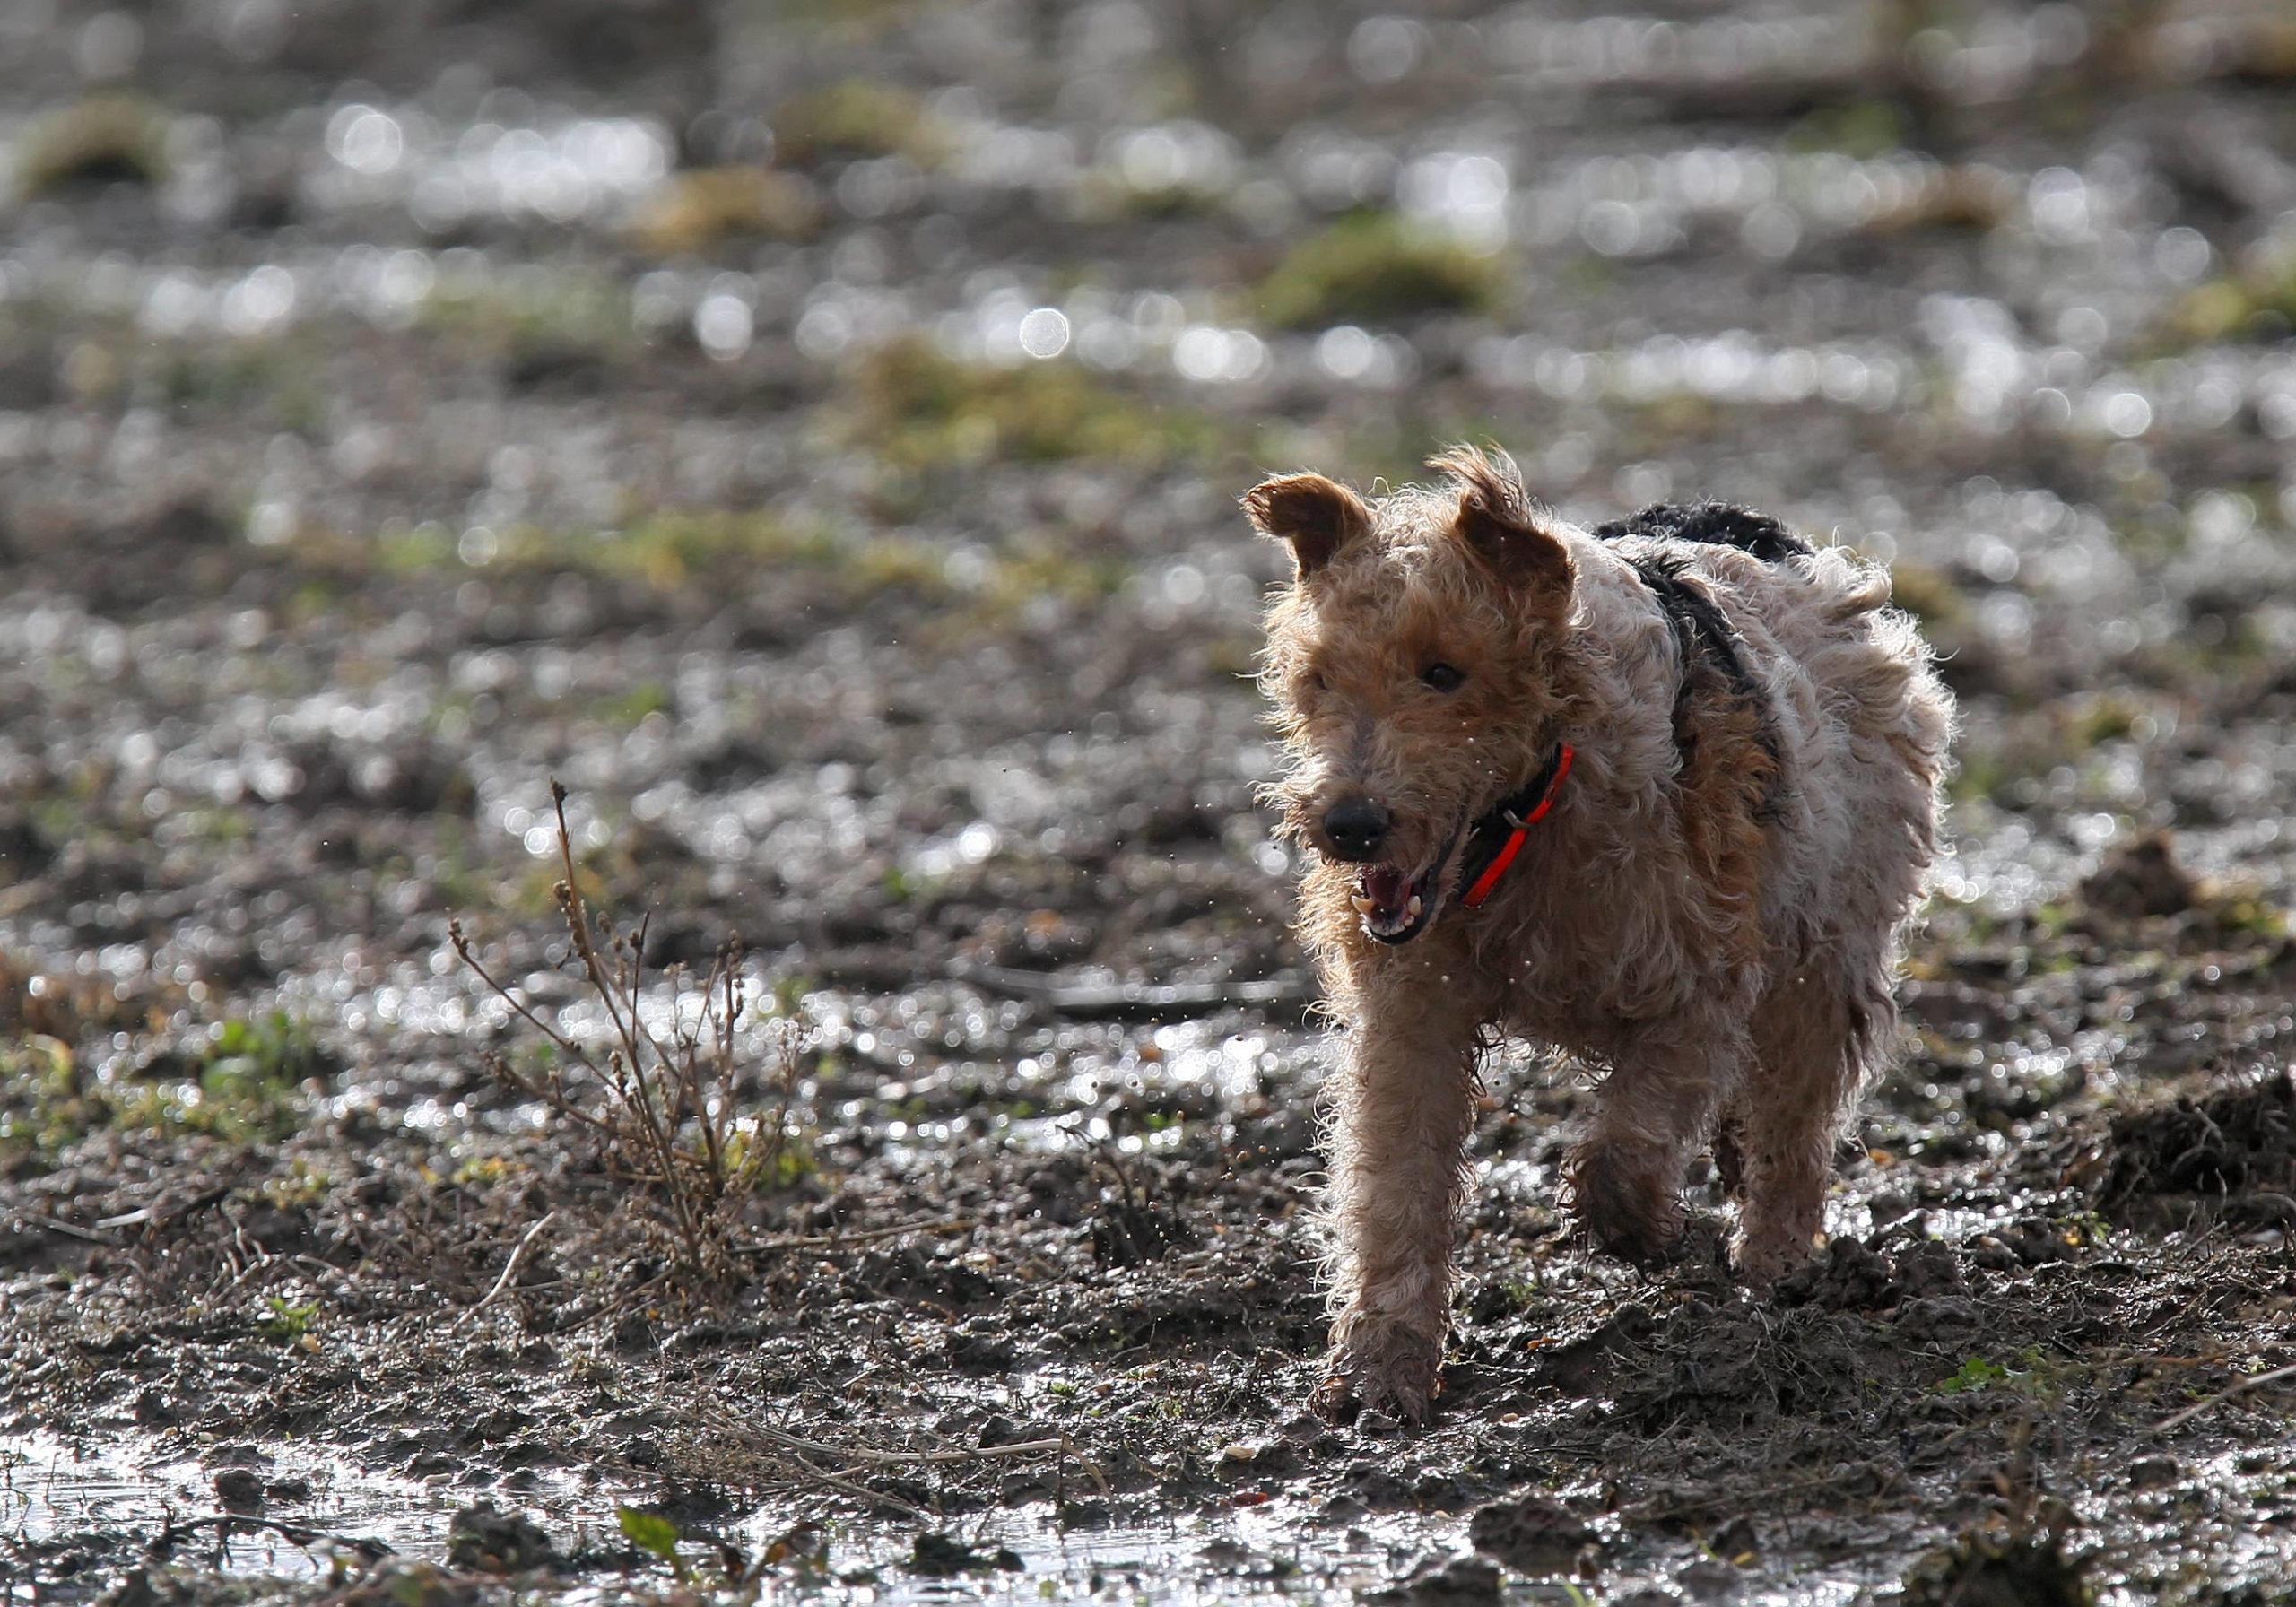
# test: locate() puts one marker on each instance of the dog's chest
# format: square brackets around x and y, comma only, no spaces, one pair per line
[1574,952]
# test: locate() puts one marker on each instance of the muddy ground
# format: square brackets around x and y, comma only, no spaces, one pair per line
[811,433]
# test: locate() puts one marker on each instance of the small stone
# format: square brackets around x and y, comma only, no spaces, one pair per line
[2154,1472]
[487,1540]
[1891,1205]
[1736,1542]
[939,1555]
[1461,1582]
[1532,1535]
[240,1489]
[1307,1431]
[1707,1579]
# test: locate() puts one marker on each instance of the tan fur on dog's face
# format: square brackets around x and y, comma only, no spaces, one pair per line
[1460,580]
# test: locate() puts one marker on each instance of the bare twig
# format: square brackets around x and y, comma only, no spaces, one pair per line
[809,1455]
[963,1454]
[302,1534]
[866,1236]
[510,1267]
[462,951]
[87,1235]
[156,1218]
[862,1492]
[1085,1000]
[2176,1419]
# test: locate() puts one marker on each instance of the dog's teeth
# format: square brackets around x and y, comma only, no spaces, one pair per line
[1411,911]
[1363,905]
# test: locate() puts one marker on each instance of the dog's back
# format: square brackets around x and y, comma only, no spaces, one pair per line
[1711,524]
[1849,710]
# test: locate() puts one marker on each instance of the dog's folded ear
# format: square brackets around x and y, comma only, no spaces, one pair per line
[1500,526]
[1317,515]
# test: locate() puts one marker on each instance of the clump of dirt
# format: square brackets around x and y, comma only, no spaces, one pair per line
[493,1541]
[1457,1582]
[2141,879]
[1986,1569]
[939,1555]
[2228,1157]
[1128,1232]
[1869,1275]
[1741,1367]
[1533,1535]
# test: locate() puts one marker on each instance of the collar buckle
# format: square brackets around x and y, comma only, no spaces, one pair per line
[1516,815]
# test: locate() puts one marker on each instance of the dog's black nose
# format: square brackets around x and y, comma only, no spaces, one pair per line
[1355,828]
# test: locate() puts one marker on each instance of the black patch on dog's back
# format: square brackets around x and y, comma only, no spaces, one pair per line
[1715,524]
[1703,635]
[1701,632]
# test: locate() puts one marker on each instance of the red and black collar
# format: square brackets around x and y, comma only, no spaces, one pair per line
[1496,837]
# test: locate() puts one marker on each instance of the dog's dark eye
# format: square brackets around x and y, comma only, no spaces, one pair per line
[1443,677]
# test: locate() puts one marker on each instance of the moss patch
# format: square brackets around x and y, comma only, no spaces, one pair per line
[670,551]
[247,1080]
[107,139]
[702,207]
[1376,268]
[920,407]
[2259,305]
[859,117]
[532,313]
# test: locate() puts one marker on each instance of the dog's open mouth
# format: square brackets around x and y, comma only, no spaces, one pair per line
[1397,905]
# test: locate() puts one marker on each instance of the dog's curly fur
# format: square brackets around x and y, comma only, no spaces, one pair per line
[1709,913]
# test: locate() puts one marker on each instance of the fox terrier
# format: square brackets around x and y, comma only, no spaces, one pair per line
[1660,795]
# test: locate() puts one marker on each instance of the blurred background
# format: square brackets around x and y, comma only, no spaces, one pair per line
[813,428]
[812,431]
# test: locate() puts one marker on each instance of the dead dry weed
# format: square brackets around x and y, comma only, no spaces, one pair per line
[674,1099]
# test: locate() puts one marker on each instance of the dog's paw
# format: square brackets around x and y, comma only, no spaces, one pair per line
[1761,1258]
[1626,1202]
[1400,1374]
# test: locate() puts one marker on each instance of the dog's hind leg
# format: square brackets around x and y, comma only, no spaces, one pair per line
[1624,1177]
[1809,1038]
[1405,1105]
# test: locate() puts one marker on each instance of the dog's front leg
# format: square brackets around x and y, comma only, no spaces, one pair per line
[1405,1106]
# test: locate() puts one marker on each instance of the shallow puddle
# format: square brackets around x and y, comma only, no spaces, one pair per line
[126,1495]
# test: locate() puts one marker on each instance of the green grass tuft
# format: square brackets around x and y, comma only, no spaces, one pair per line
[1377,268]
[859,117]
[920,408]
[700,208]
[105,139]
[2258,305]
[246,1083]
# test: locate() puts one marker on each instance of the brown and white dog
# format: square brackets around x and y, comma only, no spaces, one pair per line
[1661,794]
